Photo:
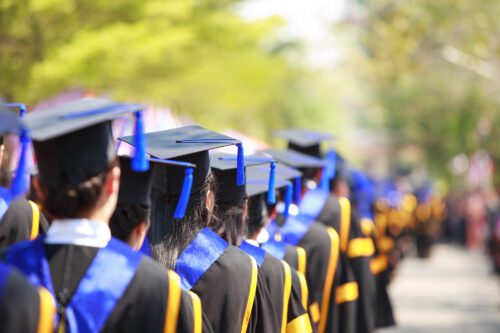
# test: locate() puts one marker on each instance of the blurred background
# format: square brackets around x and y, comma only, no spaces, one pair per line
[407,87]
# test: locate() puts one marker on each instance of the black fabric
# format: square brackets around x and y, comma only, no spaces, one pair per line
[15,225]
[347,312]
[142,307]
[295,306]
[274,275]
[316,243]
[291,256]
[366,282]
[19,305]
[75,157]
[134,186]
[313,150]
[228,192]
[223,290]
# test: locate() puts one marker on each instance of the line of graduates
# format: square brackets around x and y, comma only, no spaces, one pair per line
[175,238]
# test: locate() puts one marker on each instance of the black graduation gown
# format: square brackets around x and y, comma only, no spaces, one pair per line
[346,306]
[23,307]
[279,280]
[321,246]
[364,276]
[144,306]
[224,290]
[296,257]
[18,221]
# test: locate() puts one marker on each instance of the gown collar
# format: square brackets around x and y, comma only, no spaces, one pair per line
[81,232]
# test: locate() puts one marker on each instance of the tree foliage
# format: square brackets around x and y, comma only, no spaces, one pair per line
[198,57]
[431,66]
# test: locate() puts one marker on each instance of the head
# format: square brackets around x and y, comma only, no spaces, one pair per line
[169,237]
[231,207]
[78,174]
[256,217]
[130,223]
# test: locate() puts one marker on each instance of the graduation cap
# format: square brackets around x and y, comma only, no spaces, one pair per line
[188,144]
[11,123]
[258,182]
[224,168]
[135,187]
[73,141]
[304,141]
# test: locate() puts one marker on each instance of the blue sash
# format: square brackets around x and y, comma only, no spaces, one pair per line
[312,203]
[295,228]
[146,246]
[100,289]
[254,251]
[275,248]
[197,258]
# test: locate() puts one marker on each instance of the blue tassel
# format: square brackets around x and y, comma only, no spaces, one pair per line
[180,210]
[139,163]
[271,193]
[297,191]
[288,199]
[19,183]
[240,166]
[328,171]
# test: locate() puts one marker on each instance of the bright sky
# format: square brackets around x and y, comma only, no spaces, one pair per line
[310,20]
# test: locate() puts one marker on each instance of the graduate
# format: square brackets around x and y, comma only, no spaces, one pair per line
[232,209]
[99,283]
[324,270]
[20,218]
[130,222]
[233,293]
[335,211]
[363,199]
[23,307]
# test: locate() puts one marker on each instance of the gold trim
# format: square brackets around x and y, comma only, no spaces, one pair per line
[197,313]
[360,247]
[347,292]
[314,311]
[286,295]
[304,290]
[301,324]
[302,260]
[174,300]
[330,275]
[251,296]
[35,220]
[345,223]
[379,264]
[47,311]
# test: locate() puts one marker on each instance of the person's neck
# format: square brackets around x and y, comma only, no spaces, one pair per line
[97,216]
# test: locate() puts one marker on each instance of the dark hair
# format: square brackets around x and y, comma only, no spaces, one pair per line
[169,237]
[256,218]
[73,201]
[126,218]
[230,224]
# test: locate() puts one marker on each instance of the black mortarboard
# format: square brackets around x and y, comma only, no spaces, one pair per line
[295,159]
[187,144]
[224,166]
[135,187]
[304,141]
[73,141]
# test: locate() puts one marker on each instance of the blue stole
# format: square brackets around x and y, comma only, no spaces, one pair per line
[295,227]
[254,251]
[197,258]
[275,247]
[312,203]
[100,289]
[146,246]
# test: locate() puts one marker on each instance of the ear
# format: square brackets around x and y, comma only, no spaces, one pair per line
[210,201]
[112,184]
